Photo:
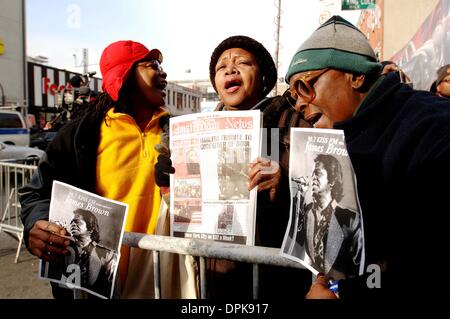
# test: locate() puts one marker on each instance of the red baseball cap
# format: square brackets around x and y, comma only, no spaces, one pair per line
[116,62]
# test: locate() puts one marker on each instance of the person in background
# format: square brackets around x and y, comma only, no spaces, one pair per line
[81,96]
[443,81]
[399,143]
[108,151]
[389,66]
[76,81]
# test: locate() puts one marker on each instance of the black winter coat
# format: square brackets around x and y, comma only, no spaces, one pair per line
[399,145]
[70,158]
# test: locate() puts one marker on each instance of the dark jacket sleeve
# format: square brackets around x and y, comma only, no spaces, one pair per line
[272,217]
[360,288]
[55,164]
[34,201]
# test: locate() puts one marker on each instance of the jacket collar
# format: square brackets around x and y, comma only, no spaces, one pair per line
[376,104]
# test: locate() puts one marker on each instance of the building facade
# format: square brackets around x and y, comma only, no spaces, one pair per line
[12,53]
[413,34]
[182,100]
[392,23]
[209,97]
[45,84]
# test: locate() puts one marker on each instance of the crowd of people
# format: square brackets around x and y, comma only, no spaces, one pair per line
[397,138]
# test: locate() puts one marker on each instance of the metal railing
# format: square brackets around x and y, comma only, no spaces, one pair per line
[13,175]
[207,249]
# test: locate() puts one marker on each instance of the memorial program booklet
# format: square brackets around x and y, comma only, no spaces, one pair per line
[211,153]
[95,227]
[325,229]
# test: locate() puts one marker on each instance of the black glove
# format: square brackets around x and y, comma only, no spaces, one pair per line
[162,170]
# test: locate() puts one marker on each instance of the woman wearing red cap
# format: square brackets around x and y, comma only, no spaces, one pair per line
[109,151]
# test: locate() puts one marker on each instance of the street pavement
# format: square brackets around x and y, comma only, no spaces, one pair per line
[20,281]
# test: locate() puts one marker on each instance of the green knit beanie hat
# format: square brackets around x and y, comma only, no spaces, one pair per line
[336,44]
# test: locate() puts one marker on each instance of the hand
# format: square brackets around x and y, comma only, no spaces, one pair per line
[162,170]
[45,243]
[265,174]
[319,289]
[389,68]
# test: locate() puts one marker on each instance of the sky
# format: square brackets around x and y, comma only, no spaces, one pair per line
[185,31]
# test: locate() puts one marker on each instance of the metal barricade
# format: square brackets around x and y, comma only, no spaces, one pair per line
[13,175]
[207,249]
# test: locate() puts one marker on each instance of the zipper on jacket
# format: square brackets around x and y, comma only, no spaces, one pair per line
[143,145]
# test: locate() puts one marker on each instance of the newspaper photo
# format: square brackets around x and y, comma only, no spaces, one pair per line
[325,229]
[211,153]
[95,228]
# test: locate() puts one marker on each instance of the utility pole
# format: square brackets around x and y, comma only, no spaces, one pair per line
[3,95]
[85,60]
[277,42]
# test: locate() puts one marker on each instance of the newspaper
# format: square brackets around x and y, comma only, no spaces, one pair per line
[95,226]
[211,153]
[325,229]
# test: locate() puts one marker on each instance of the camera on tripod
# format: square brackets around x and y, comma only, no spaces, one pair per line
[76,95]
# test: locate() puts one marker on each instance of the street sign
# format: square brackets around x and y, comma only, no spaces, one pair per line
[358,4]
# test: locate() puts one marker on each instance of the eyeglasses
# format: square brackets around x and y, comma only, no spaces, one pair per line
[288,96]
[154,64]
[304,87]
